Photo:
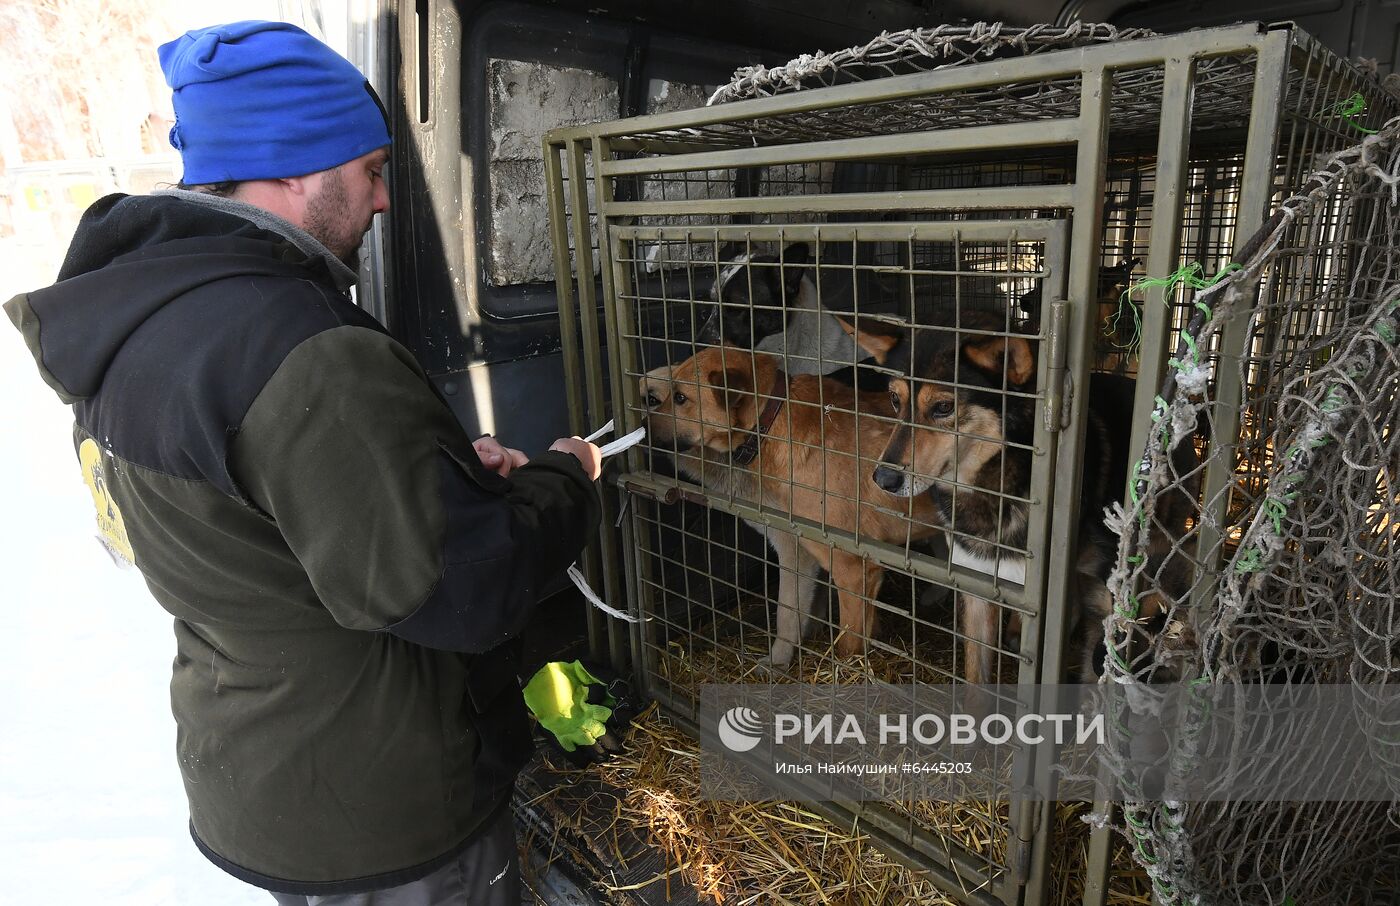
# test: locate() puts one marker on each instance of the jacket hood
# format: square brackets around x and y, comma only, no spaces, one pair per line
[131,256]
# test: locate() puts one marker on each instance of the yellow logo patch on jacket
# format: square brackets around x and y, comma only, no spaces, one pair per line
[110,527]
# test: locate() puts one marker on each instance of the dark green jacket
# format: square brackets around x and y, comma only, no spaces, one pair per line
[344,573]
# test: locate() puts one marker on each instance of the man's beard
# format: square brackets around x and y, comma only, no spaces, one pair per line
[329,223]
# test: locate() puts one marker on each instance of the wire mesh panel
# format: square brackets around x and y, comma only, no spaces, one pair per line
[1308,587]
[893,344]
[789,371]
[779,507]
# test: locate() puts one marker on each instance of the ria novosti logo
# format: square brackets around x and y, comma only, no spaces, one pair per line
[740,729]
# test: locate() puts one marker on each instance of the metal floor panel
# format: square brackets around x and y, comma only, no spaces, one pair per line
[569,820]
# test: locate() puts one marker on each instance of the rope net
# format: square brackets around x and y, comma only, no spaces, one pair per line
[1260,542]
[915,50]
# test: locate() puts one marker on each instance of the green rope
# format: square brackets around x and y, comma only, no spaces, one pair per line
[1134,497]
[1110,327]
[1189,275]
[1132,485]
[1159,415]
[1251,562]
[1190,342]
[1352,108]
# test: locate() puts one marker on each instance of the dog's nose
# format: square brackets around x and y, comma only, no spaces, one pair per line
[888,479]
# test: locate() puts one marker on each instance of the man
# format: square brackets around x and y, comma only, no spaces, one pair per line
[346,569]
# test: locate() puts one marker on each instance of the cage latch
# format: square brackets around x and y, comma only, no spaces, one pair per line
[1057,390]
[650,488]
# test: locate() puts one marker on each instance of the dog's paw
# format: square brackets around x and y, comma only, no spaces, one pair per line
[779,656]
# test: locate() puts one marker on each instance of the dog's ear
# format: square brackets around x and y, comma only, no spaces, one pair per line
[876,337]
[797,254]
[732,384]
[998,355]
[794,265]
[1119,275]
[1152,605]
[728,251]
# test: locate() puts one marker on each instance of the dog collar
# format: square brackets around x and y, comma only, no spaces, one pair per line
[777,396]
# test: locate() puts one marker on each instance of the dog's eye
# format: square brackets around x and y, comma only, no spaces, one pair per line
[941,409]
[894,401]
[652,400]
[679,397]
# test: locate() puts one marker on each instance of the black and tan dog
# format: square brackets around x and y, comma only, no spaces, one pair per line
[741,427]
[966,397]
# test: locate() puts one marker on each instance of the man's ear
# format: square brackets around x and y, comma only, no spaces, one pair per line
[878,338]
[997,355]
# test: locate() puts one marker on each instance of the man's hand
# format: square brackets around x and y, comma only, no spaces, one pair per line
[588,455]
[497,458]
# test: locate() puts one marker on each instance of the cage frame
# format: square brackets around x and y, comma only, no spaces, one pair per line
[584,157]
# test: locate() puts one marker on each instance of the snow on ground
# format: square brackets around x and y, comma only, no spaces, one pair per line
[91,805]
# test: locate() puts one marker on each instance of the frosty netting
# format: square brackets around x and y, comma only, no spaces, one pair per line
[915,50]
[1264,525]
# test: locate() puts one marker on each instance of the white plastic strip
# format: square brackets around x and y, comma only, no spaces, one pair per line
[582,584]
[600,432]
[622,443]
[626,442]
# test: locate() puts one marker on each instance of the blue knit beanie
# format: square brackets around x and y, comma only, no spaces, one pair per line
[265,100]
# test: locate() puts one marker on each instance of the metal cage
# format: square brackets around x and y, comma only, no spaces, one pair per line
[1000,203]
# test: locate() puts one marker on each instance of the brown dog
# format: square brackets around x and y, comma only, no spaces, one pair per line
[965,397]
[740,427]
